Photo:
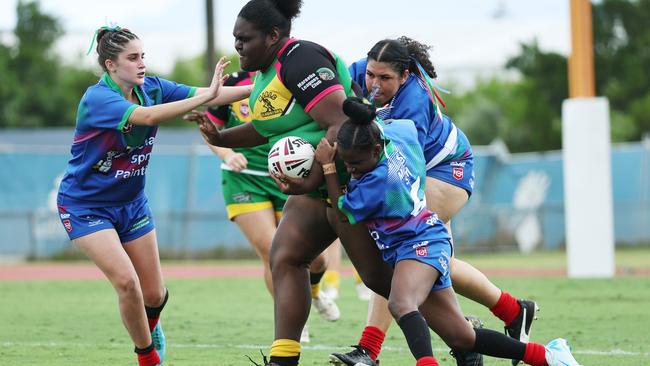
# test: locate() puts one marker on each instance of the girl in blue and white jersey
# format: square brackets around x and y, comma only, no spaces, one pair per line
[101,199]
[397,75]
[386,193]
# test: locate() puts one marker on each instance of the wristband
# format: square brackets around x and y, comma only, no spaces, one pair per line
[329,168]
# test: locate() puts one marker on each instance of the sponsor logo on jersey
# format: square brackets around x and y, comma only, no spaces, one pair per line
[267,98]
[325,74]
[95,222]
[458,173]
[67,225]
[143,221]
[244,110]
[293,48]
[432,219]
[242,197]
[421,251]
[420,244]
[104,165]
[458,163]
[444,261]
[310,82]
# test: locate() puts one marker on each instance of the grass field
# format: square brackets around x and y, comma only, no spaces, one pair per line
[219,321]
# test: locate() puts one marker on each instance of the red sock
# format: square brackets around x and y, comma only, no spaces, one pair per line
[535,354]
[427,361]
[153,322]
[371,339]
[507,308]
[149,359]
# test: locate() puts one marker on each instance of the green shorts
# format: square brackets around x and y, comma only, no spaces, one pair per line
[244,193]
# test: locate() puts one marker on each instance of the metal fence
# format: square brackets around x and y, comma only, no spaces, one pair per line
[517,204]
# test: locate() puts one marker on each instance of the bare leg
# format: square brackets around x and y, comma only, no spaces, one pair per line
[298,241]
[364,254]
[473,284]
[412,283]
[143,252]
[259,228]
[446,200]
[105,249]
[378,314]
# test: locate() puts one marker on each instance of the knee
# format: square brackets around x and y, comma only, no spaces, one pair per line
[400,307]
[282,257]
[127,285]
[262,244]
[154,297]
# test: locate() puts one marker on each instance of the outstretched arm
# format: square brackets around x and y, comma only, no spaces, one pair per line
[241,136]
[227,94]
[157,114]
[235,160]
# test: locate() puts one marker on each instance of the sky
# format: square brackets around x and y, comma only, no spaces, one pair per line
[469,37]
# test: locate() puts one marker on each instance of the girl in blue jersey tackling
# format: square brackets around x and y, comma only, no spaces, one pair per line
[397,75]
[101,198]
[386,193]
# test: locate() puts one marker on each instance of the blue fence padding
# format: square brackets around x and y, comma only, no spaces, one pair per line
[184,181]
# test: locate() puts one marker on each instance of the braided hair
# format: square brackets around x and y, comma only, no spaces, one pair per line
[360,131]
[401,54]
[110,42]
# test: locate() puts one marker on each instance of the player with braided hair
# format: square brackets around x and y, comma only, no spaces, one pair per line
[397,75]
[101,199]
[386,193]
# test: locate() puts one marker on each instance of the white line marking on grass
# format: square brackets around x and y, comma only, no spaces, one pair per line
[314,347]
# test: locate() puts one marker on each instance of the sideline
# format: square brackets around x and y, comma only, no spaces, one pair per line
[88,271]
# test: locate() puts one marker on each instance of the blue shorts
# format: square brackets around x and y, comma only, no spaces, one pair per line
[458,172]
[437,254]
[131,220]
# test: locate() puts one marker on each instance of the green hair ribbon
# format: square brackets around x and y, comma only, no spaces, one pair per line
[107,28]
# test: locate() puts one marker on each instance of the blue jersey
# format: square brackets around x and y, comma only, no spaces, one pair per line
[390,198]
[412,101]
[110,155]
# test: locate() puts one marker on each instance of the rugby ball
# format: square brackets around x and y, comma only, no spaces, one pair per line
[291,156]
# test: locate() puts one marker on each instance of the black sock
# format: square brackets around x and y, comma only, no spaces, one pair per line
[144,351]
[495,344]
[315,278]
[285,361]
[417,334]
[153,313]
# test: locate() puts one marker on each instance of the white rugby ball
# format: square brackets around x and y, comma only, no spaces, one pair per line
[291,156]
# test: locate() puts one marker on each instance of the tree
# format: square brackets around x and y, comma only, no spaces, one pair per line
[622,61]
[37,90]
[35,68]
[526,114]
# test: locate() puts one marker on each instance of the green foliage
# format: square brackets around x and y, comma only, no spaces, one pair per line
[38,90]
[526,114]
[622,59]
